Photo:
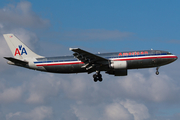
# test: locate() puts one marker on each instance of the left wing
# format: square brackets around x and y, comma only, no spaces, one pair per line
[92,61]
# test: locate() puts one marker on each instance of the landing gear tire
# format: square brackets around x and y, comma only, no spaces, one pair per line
[97,77]
[100,80]
[95,80]
[157,72]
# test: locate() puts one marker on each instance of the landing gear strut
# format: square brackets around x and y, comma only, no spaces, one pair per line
[157,72]
[97,76]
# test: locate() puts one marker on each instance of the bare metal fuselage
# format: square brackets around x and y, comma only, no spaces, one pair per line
[70,64]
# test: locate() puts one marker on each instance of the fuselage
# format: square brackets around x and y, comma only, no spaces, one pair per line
[134,59]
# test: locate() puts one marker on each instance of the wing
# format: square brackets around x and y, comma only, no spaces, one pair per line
[92,62]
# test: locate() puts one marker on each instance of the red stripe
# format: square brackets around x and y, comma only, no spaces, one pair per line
[122,59]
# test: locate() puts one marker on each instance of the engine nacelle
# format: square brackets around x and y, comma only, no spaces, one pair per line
[118,65]
[118,68]
[122,72]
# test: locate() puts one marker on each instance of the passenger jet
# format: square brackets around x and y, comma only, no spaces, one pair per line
[116,63]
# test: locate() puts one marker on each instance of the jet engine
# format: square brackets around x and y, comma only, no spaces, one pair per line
[118,68]
[118,65]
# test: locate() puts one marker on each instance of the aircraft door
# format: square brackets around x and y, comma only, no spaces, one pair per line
[45,60]
[155,60]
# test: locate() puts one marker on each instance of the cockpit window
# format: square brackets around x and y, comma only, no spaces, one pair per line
[169,53]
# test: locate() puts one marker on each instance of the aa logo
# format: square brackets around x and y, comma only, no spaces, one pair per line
[20,51]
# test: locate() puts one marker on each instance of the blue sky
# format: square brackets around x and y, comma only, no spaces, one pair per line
[152,24]
[51,28]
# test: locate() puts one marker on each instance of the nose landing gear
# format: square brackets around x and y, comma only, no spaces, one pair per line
[97,76]
[157,72]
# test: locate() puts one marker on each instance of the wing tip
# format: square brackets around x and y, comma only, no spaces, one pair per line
[71,49]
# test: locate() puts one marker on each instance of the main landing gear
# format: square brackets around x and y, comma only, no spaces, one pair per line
[97,76]
[157,72]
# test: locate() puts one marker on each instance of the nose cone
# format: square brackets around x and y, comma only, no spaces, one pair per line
[172,58]
[176,58]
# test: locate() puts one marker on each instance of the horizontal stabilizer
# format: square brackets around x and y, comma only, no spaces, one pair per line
[16,61]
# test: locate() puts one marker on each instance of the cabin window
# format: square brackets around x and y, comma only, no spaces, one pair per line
[158,53]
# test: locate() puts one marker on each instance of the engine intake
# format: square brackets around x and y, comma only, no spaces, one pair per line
[118,68]
[118,64]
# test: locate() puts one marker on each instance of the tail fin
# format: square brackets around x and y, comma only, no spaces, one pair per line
[19,49]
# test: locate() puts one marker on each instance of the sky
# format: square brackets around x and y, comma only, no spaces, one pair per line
[51,28]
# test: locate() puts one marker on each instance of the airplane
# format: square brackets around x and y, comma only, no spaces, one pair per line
[116,63]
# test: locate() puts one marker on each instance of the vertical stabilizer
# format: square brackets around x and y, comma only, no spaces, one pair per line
[19,49]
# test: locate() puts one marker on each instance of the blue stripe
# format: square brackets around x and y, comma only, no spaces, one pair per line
[54,61]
